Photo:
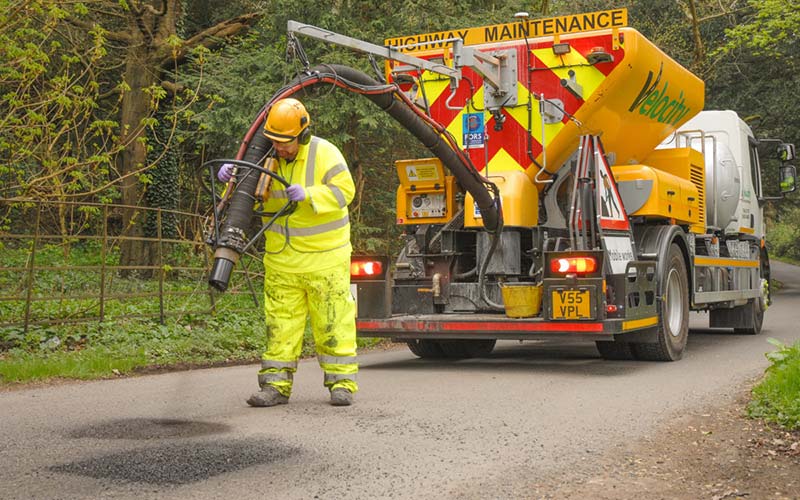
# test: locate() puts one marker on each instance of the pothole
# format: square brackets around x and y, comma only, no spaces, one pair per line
[149,428]
[176,463]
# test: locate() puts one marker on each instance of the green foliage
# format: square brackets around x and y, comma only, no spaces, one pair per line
[51,140]
[783,235]
[772,30]
[777,398]
[754,61]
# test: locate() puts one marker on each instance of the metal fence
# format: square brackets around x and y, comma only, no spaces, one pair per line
[60,264]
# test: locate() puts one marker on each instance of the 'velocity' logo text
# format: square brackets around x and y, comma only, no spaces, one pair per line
[657,103]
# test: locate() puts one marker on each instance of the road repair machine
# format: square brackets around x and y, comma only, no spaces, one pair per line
[576,190]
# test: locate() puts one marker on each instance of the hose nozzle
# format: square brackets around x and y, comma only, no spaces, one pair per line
[224,261]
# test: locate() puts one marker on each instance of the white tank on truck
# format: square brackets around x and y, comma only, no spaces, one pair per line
[732,171]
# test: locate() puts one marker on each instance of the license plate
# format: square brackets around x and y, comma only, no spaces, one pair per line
[572,304]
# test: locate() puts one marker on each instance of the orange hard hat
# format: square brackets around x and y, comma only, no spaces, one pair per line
[286,121]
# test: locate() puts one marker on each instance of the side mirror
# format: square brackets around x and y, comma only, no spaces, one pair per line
[788,175]
[786,152]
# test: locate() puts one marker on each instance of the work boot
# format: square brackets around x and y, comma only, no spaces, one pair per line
[341,397]
[267,396]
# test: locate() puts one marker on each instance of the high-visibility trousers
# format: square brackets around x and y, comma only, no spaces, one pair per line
[324,296]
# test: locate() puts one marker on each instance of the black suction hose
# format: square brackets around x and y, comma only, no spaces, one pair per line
[233,235]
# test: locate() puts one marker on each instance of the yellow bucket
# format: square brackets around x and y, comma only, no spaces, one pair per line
[521,300]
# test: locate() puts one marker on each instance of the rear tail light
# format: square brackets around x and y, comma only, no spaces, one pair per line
[366,268]
[573,265]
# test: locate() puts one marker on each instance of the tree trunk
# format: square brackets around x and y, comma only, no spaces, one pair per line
[140,73]
[699,47]
[149,38]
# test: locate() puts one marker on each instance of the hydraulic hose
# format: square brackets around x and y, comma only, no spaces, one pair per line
[429,138]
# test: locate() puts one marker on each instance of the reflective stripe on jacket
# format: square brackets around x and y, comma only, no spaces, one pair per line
[317,234]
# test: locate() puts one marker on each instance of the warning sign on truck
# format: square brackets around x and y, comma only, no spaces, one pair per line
[422,172]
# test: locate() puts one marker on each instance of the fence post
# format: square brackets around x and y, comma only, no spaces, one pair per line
[211,298]
[29,294]
[160,269]
[103,250]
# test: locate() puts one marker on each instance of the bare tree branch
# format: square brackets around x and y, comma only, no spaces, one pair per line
[721,14]
[210,38]
[172,87]
[157,12]
[136,8]
[118,36]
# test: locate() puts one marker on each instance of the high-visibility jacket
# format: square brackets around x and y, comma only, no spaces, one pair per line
[317,234]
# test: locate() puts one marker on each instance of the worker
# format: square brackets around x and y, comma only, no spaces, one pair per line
[307,261]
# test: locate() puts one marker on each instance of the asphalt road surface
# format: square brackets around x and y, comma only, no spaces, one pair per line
[487,428]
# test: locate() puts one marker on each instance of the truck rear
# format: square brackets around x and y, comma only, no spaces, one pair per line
[623,206]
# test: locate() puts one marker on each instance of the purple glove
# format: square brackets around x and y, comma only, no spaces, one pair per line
[295,192]
[225,172]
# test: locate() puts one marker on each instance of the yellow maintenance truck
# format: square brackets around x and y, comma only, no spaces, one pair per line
[577,189]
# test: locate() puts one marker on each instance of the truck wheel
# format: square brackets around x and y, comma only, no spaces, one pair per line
[614,350]
[758,306]
[673,322]
[756,317]
[425,348]
[463,349]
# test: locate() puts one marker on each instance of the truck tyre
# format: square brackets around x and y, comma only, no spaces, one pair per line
[756,317]
[614,350]
[757,306]
[463,349]
[673,309]
[426,349]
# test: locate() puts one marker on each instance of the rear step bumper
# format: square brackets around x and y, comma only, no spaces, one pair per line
[493,326]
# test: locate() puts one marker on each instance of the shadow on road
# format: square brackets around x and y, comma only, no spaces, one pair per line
[509,356]
[567,356]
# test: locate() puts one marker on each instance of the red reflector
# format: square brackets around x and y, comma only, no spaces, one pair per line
[573,265]
[366,268]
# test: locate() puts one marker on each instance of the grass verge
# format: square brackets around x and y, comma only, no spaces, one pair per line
[82,365]
[776,398]
[103,350]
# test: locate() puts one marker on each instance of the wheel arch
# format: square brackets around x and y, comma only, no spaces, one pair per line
[655,241]
[673,304]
